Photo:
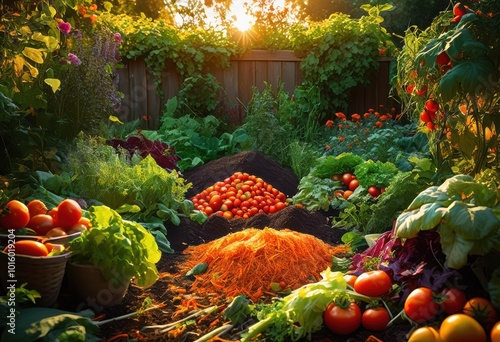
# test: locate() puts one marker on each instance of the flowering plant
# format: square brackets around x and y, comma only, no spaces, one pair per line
[376,135]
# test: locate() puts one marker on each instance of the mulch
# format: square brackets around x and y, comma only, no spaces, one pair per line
[190,233]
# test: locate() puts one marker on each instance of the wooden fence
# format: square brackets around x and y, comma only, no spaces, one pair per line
[248,71]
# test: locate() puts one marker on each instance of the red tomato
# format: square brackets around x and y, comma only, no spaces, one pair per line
[443,59]
[15,215]
[347,193]
[350,279]
[76,228]
[374,191]
[375,319]
[69,212]
[353,184]
[373,283]
[453,301]
[55,232]
[36,207]
[458,10]
[215,202]
[420,305]
[432,105]
[425,117]
[41,223]
[482,310]
[29,247]
[342,321]
[347,177]
[55,215]
[85,221]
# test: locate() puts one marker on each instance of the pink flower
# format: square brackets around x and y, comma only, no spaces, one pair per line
[118,38]
[64,27]
[74,59]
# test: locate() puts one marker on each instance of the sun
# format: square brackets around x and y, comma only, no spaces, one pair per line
[241,20]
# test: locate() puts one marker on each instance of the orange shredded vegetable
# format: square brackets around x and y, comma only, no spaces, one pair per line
[247,262]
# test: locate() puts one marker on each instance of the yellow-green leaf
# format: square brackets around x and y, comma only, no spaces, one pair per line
[35,55]
[18,65]
[114,119]
[54,83]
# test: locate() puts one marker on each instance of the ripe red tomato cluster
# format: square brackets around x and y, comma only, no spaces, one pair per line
[65,219]
[240,196]
[428,115]
[345,317]
[351,183]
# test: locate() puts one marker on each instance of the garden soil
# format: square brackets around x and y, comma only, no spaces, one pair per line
[165,290]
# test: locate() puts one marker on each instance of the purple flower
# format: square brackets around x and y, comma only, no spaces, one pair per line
[118,38]
[64,27]
[74,59]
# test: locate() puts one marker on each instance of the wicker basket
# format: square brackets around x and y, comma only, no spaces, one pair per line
[43,274]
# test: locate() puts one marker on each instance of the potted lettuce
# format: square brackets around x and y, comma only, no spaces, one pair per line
[115,250]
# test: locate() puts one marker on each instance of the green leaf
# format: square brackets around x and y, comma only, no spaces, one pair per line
[54,83]
[430,195]
[113,118]
[469,76]
[197,269]
[426,217]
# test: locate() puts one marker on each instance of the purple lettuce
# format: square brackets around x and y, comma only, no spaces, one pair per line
[411,263]
[164,155]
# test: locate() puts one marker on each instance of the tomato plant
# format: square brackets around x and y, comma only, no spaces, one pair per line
[461,328]
[41,223]
[29,247]
[482,310]
[69,212]
[342,318]
[420,305]
[375,318]
[453,300]
[373,283]
[15,215]
[425,334]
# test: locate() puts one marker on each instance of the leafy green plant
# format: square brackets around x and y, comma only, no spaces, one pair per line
[338,54]
[199,94]
[142,190]
[462,210]
[120,248]
[197,140]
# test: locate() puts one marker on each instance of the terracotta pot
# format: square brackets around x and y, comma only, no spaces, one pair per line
[89,285]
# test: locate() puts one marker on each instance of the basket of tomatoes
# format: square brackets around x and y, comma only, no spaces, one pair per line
[40,265]
[34,243]
[33,221]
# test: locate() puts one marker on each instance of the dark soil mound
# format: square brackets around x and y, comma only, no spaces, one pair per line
[251,162]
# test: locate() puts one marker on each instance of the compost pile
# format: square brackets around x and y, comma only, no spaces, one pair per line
[189,240]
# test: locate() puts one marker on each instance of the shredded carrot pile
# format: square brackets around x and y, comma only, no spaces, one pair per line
[247,262]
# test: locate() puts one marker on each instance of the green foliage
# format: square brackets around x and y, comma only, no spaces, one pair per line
[142,191]
[338,54]
[463,210]
[328,166]
[48,324]
[196,140]
[376,173]
[122,249]
[199,94]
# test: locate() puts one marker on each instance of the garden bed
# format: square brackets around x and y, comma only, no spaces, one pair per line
[172,288]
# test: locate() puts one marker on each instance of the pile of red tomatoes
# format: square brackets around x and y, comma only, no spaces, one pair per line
[240,196]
